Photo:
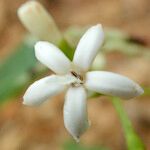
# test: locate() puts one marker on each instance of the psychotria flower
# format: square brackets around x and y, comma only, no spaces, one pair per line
[74,78]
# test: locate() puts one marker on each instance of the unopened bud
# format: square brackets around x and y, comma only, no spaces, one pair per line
[39,22]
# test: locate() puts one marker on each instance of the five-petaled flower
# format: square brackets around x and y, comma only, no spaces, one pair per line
[75,78]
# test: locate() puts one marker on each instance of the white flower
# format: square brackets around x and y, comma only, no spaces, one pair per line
[74,77]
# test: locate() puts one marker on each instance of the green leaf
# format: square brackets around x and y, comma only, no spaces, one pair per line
[15,70]
[133,140]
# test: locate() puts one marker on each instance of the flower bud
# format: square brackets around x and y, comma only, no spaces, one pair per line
[39,22]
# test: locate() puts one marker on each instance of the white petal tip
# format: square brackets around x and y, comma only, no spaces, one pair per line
[28,7]
[139,90]
[29,103]
[77,139]
[26,103]
[39,44]
[135,92]
[98,27]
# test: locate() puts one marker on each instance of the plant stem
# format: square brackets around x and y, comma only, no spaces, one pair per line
[133,140]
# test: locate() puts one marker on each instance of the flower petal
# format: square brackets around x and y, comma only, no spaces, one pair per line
[112,84]
[88,47]
[42,89]
[52,57]
[75,112]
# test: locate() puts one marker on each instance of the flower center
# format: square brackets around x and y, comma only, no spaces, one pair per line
[79,79]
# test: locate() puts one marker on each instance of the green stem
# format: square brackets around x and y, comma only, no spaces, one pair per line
[133,140]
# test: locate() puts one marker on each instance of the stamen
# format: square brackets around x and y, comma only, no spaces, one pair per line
[74,74]
[79,78]
[77,75]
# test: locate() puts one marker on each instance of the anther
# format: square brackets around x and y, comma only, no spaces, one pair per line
[77,75]
[74,74]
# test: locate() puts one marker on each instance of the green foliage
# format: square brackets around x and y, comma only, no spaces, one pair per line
[76,146]
[115,40]
[132,139]
[15,70]
[67,49]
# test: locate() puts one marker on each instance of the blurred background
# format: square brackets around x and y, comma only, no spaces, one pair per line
[42,128]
